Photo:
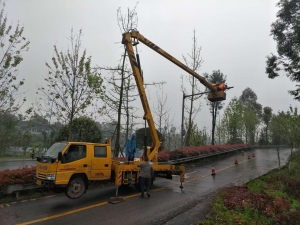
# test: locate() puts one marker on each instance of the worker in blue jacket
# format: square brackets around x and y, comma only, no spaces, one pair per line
[131,150]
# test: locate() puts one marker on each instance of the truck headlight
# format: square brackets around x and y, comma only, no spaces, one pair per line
[50,177]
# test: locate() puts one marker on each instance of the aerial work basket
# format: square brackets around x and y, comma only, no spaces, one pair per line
[216,96]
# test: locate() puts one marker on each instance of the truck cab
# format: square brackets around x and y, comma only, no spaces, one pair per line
[70,165]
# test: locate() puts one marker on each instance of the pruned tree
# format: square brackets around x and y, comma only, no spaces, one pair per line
[194,61]
[73,87]
[267,115]
[286,32]
[216,77]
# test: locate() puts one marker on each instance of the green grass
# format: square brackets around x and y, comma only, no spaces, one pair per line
[256,185]
[222,215]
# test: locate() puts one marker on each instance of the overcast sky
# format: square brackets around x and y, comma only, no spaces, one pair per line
[234,36]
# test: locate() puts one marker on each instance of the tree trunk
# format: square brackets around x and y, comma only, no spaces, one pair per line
[214,115]
[188,133]
[117,145]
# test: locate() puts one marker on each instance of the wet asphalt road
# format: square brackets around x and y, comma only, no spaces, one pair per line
[16,164]
[168,203]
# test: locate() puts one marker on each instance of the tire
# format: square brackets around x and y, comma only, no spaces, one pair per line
[57,189]
[76,188]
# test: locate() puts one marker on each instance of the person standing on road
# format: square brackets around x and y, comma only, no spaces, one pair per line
[32,154]
[146,172]
[130,150]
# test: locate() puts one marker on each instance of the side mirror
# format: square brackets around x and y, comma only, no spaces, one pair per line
[59,156]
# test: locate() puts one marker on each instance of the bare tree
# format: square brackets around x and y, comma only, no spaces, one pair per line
[194,62]
[161,110]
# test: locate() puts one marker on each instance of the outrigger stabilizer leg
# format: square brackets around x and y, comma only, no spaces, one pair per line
[116,199]
[181,167]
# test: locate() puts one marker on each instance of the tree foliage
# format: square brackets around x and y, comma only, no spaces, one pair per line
[232,121]
[12,44]
[286,32]
[8,131]
[140,133]
[72,85]
[84,129]
[252,113]
[267,115]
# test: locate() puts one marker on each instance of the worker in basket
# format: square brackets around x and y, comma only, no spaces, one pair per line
[220,87]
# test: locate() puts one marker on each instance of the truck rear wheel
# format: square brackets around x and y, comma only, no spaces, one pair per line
[75,188]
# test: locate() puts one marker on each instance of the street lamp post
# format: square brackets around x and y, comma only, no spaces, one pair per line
[182,118]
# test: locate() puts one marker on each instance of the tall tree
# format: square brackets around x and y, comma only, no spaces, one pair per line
[286,32]
[218,78]
[287,125]
[194,61]
[12,44]
[248,99]
[72,85]
[85,129]
[251,122]
[119,98]
[267,115]
[232,121]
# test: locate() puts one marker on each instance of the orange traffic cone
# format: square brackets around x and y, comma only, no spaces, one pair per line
[253,155]
[213,172]
[236,161]
[248,156]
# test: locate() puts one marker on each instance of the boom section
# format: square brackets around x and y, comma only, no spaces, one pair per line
[135,36]
[139,81]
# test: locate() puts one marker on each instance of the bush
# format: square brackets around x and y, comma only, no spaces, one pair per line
[164,155]
[200,150]
[22,175]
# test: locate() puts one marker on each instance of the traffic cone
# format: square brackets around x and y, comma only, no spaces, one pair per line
[236,161]
[248,156]
[253,155]
[213,172]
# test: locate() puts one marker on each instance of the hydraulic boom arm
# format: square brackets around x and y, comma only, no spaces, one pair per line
[129,40]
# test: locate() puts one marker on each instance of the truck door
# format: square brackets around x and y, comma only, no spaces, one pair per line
[101,164]
[74,161]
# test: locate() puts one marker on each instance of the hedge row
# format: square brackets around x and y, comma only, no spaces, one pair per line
[22,175]
[165,155]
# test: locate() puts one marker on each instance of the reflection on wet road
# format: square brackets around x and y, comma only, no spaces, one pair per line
[16,164]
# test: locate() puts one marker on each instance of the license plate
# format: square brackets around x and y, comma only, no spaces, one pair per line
[38,182]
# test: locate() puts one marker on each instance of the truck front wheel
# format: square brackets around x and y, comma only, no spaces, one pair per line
[75,188]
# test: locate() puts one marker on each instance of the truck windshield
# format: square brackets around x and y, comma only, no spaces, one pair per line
[55,149]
